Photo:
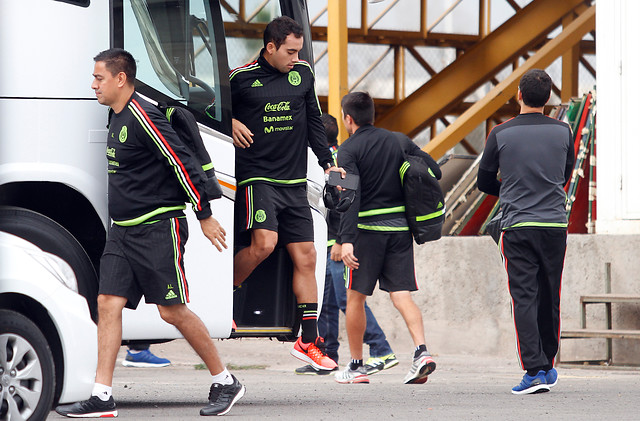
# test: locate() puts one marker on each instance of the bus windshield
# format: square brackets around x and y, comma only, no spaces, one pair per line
[180,52]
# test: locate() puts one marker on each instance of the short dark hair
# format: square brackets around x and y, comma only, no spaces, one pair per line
[331,128]
[279,29]
[535,86]
[117,60]
[359,105]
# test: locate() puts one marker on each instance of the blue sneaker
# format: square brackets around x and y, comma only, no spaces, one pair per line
[144,359]
[532,384]
[552,377]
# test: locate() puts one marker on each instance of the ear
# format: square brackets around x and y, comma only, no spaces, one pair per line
[122,79]
[271,47]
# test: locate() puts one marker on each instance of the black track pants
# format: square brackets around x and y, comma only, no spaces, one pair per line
[534,260]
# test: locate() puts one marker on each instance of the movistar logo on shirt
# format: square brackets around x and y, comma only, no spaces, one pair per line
[281,106]
[256,84]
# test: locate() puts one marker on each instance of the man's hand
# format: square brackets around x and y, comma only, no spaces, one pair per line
[336,252]
[349,259]
[342,172]
[212,229]
[242,136]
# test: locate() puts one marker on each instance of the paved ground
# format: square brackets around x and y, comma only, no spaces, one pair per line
[462,388]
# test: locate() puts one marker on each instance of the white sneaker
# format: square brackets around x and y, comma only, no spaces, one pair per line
[348,375]
[421,367]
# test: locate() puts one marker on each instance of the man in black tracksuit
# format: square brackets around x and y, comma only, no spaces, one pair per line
[376,242]
[276,116]
[151,174]
[534,154]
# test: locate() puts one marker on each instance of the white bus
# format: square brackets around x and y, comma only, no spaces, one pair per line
[53,178]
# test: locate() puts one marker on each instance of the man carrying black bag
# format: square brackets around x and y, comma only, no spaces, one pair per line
[375,229]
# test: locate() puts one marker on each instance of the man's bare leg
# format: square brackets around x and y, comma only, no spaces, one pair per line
[356,322]
[262,244]
[410,313]
[303,256]
[109,335]
[195,333]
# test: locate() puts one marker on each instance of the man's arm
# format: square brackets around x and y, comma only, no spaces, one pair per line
[568,169]
[488,170]
[315,130]
[488,182]
[168,148]
[349,219]
[242,136]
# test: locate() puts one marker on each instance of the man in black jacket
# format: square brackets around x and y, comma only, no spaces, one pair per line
[150,174]
[375,230]
[534,154]
[276,117]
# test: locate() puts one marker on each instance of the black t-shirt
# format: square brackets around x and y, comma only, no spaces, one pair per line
[151,172]
[283,113]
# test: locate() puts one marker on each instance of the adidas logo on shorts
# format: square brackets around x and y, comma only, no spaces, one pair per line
[170,295]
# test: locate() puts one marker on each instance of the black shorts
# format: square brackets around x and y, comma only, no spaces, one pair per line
[284,210]
[385,257]
[146,259]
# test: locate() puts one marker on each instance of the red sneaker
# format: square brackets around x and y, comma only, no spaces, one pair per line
[312,354]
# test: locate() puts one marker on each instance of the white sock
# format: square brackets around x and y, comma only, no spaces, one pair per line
[134,351]
[224,377]
[102,391]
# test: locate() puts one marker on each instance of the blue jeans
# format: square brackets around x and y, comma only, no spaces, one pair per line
[335,297]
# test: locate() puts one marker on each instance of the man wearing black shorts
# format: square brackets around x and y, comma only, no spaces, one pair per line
[276,116]
[534,154]
[375,229]
[150,175]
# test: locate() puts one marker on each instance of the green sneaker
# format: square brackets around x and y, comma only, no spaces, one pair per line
[375,364]
[390,360]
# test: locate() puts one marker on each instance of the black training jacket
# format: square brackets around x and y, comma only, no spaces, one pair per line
[535,156]
[283,113]
[376,155]
[151,172]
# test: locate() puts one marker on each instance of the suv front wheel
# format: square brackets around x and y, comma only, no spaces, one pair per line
[27,378]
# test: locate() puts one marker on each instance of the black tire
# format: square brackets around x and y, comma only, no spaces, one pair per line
[23,349]
[54,238]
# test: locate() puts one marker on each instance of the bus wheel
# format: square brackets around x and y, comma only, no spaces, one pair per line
[55,239]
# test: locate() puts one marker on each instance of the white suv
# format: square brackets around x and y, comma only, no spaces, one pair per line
[48,345]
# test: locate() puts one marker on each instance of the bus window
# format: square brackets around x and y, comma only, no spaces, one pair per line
[243,50]
[181,55]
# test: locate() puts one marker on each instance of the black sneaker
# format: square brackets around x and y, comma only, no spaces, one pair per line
[93,407]
[222,397]
[309,370]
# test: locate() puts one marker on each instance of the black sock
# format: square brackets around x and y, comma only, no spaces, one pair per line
[308,312]
[354,364]
[419,350]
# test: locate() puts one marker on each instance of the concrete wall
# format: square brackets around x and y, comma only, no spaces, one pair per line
[467,308]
